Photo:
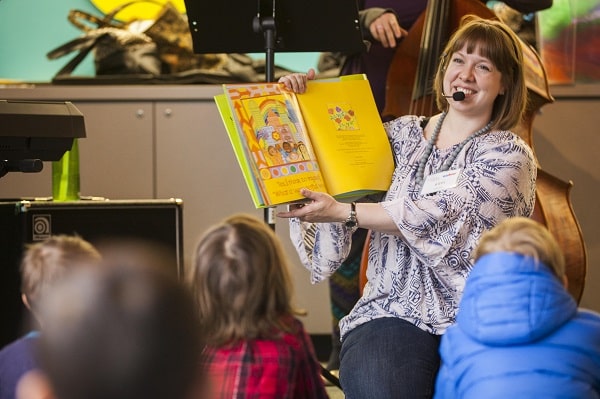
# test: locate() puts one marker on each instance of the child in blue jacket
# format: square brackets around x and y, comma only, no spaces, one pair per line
[518,333]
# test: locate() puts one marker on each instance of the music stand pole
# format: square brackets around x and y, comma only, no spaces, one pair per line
[267,26]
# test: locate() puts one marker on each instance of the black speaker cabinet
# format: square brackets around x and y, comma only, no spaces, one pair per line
[24,222]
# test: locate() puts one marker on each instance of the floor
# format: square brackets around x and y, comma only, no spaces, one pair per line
[322,344]
[333,391]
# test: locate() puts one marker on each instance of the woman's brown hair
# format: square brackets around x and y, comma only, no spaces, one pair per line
[497,42]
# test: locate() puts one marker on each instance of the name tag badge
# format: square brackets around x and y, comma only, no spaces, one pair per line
[440,181]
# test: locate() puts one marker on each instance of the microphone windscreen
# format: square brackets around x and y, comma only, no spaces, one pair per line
[458,96]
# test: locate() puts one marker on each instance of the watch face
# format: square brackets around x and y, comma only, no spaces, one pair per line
[351,221]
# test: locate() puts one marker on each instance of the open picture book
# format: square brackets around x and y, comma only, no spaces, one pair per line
[328,139]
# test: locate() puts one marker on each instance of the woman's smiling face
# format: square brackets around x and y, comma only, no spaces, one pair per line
[475,76]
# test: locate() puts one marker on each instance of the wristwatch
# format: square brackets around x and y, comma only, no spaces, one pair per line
[351,221]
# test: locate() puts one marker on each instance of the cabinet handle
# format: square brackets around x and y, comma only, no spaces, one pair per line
[139,113]
[168,112]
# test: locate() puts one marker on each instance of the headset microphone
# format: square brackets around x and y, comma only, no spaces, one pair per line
[458,96]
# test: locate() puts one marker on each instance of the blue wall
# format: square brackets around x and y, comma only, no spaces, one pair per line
[31,28]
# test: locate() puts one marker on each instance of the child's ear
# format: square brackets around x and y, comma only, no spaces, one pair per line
[25,301]
[29,307]
[34,385]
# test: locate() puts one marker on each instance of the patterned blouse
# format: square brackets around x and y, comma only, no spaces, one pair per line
[285,368]
[419,275]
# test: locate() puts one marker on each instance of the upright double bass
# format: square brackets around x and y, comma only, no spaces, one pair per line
[409,91]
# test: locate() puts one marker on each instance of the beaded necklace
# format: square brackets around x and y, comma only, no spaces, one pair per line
[448,162]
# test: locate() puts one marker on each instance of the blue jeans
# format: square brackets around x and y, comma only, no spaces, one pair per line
[389,358]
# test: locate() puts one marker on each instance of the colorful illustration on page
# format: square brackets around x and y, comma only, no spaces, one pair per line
[280,137]
[342,116]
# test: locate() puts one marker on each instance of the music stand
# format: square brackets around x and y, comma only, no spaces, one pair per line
[244,26]
[227,26]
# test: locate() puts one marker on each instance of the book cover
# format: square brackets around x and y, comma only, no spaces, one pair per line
[238,148]
[328,139]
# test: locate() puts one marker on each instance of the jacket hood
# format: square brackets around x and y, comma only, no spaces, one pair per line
[512,299]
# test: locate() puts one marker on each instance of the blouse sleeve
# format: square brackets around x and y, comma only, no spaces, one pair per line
[322,247]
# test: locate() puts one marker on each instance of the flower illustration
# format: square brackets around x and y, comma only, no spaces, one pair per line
[343,116]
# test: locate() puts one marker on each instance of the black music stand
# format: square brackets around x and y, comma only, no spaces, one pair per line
[228,26]
[245,26]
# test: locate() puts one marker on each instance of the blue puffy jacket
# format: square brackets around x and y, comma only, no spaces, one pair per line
[519,334]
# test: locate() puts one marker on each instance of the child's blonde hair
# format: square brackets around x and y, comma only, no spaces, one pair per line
[46,261]
[524,236]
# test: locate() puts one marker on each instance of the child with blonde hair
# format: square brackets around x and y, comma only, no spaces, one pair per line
[518,332]
[256,346]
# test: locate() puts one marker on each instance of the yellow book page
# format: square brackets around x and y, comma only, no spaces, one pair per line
[276,143]
[348,137]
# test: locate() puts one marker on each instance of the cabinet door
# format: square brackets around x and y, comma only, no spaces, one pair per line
[117,155]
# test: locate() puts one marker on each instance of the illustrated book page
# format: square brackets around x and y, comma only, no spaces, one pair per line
[328,139]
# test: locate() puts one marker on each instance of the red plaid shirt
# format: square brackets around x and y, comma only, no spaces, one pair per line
[284,368]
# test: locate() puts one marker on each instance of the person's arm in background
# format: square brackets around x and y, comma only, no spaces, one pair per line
[377,24]
[381,24]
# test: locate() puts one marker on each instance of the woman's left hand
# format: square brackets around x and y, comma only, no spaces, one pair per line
[321,208]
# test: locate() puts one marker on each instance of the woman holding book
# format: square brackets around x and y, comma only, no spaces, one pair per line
[458,174]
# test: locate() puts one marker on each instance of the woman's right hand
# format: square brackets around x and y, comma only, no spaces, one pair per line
[296,82]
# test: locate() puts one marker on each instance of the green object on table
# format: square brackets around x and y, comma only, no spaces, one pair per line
[65,175]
